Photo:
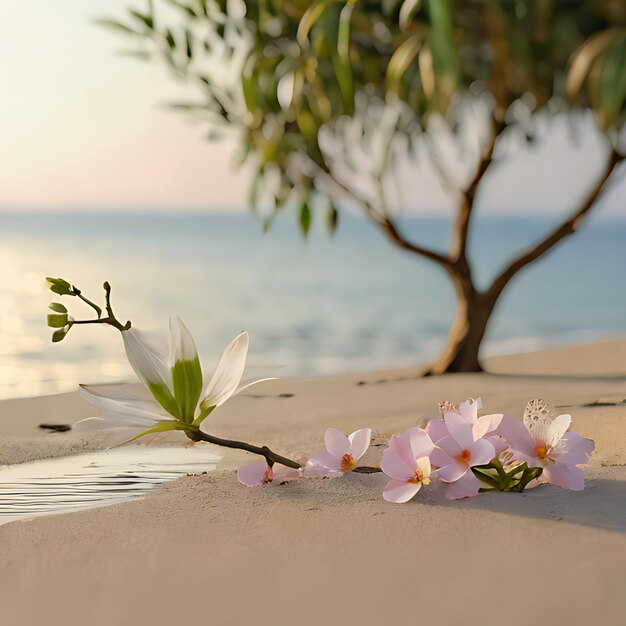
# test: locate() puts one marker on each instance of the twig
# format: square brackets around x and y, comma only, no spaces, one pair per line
[270,456]
[110,320]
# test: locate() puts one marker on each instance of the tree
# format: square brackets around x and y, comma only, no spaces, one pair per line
[301,82]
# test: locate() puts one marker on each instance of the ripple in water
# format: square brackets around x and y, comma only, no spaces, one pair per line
[101,478]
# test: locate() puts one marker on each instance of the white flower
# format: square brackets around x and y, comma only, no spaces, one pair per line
[177,398]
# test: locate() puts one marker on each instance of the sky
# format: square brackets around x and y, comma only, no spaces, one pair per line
[84,128]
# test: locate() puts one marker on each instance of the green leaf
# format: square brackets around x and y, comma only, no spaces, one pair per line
[146,19]
[118,26]
[187,381]
[57,307]
[332,218]
[61,287]
[400,61]
[310,17]
[305,218]
[613,80]
[205,412]
[169,39]
[188,43]
[59,335]
[161,427]
[487,478]
[57,320]
[407,11]
[341,61]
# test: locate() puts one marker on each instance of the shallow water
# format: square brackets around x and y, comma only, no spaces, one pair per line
[351,302]
[98,479]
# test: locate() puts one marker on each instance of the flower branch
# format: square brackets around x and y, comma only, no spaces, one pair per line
[62,321]
[181,400]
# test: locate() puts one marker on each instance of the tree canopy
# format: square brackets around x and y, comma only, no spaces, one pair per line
[283,72]
[328,98]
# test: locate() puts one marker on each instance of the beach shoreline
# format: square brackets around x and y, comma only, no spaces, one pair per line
[334,551]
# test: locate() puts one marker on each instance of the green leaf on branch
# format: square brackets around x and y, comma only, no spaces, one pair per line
[332,218]
[305,218]
[59,335]
[118,26]
[147,20]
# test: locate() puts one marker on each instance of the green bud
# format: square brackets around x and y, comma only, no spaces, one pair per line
[57,307]
[61,287]
[57,320]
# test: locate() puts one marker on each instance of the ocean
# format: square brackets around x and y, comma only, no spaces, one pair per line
[329,304]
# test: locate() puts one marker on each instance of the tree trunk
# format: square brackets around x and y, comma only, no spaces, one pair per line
[472,316]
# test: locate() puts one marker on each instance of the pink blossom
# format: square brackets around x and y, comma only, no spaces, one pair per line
[406,462]
[341,454]
[464,447]
[549,445]
[468,410]
[466,487]
[260,473]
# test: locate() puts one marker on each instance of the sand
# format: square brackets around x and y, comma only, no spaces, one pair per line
[206,550]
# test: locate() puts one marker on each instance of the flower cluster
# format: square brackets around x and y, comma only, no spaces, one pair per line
[468,453]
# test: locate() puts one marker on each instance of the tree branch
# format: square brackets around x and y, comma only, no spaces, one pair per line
[383,221]
[460,232]
[568,227]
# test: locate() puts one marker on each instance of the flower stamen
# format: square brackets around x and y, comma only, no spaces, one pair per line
[347,463]
[464,457]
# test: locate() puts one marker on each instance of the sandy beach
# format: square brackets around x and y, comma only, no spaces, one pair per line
[206,550]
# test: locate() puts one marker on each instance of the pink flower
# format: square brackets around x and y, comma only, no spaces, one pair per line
[468,410]
[462,448]
[547,443]
[466,487]
[406,462]
[260,473]
[341,454]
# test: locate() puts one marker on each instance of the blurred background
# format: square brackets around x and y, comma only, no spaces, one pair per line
[100,180]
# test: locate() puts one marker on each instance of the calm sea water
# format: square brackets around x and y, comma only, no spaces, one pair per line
[330,304]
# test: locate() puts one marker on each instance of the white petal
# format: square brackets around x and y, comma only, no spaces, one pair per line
[228,372]
[182,345]
[116,400]
[254,381]
[147,357]
[558,428]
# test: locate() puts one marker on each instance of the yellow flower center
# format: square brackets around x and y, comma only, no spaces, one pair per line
[542,450]
[347,463]
[465,456]
[419,479]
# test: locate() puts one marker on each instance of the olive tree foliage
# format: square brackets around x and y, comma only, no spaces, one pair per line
[329,97]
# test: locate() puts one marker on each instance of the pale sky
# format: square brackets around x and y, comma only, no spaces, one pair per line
[84,128]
